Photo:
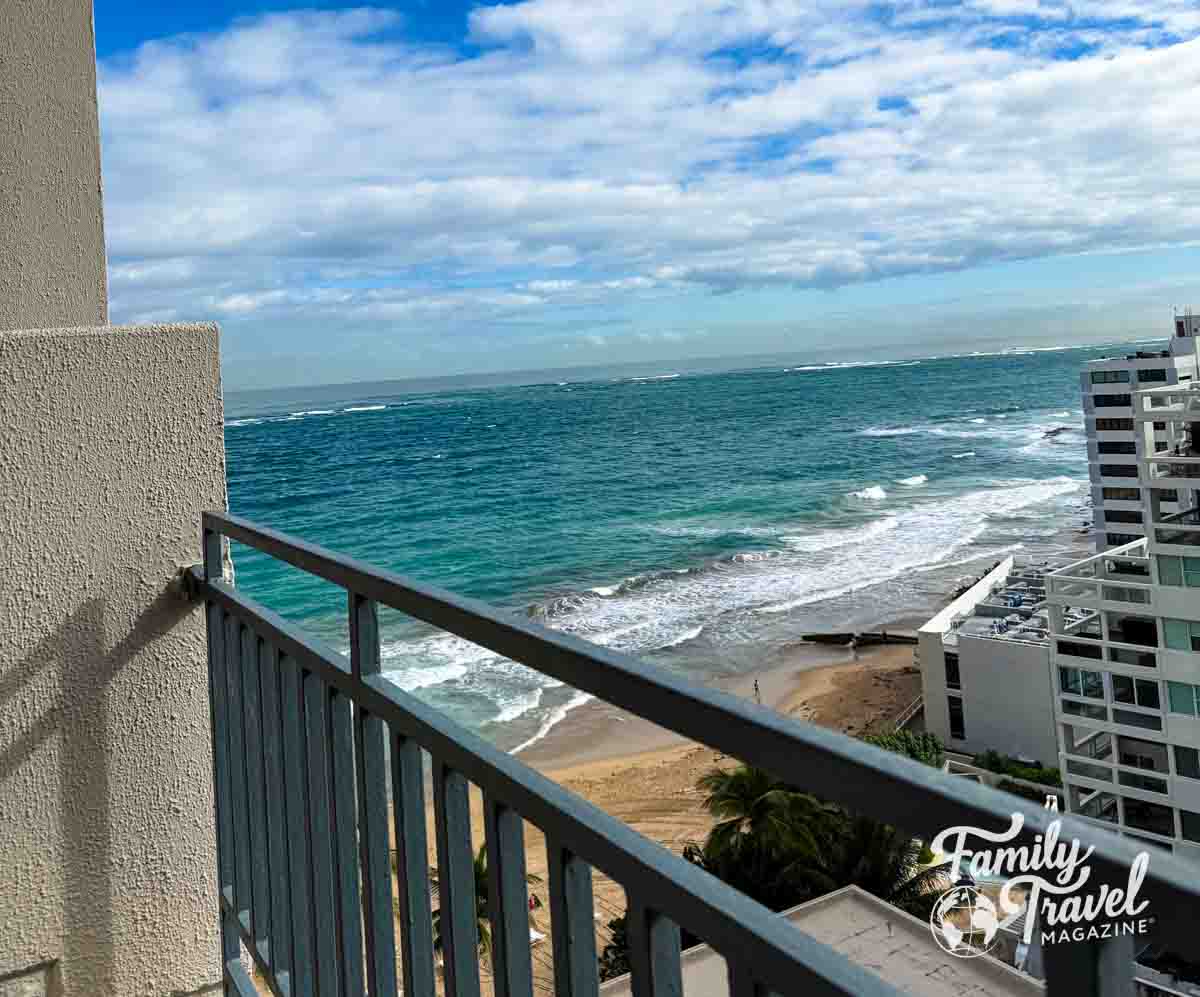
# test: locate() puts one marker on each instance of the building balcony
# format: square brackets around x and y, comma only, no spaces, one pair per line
[320,764]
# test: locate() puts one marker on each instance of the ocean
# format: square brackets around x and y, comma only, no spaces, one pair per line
[700,517]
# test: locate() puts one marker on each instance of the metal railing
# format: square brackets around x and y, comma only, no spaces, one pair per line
[307,744]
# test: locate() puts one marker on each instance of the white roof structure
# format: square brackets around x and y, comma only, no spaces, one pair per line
[885,941]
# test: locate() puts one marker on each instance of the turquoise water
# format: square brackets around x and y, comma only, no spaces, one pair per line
[702,518]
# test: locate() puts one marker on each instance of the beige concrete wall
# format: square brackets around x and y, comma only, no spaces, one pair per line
[52,269]
[111,444]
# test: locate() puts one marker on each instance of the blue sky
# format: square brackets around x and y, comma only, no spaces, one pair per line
[367,192]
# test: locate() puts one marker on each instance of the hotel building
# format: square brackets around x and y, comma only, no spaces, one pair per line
[1107,386]
[1125,645]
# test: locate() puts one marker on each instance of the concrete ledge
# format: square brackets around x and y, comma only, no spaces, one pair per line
[111,444]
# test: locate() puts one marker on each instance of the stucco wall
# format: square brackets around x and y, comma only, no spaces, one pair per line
[111,444]
[51,227]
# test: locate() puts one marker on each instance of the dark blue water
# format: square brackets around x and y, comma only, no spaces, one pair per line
[701,518]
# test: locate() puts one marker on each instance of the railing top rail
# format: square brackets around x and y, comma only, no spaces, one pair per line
[830,765]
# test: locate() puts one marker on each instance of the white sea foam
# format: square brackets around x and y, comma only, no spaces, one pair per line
[604,590]
[242,422]
[889,431]
[873,492]
[518,706]
[850,365]
[554,718]
[823,540]
[916,479]
[979,422]
[312,411]
[965,453]
[687,635]
[666,609]
[655,377]
[364,408]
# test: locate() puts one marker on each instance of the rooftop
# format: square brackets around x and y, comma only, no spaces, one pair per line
[878,937]
[1007,604]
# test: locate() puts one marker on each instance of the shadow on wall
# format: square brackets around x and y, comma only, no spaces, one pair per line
[79,718]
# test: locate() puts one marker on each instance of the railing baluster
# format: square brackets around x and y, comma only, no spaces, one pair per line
[653,952]
[295,775]
[237,766]
[230,940]
[256,797]
[741,982]
[277,805]
[508,900]
[345,841]
[325,935]
[572,914]
[456,882]
[371,766]
[412,868]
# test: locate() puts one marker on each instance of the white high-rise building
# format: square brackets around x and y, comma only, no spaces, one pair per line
[1107,387]
[1125,644]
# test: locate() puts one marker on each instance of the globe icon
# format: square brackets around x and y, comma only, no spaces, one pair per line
[964,922]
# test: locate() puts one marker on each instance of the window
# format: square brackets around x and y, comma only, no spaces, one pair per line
[1111,401]
[1120,539]
[1187,762]
[1114,425]
[1167,494]
[1118,470]
[1179,570]
[1085,710]
[1078,651]
[1122,516]
[1081,682]
[1125,656]
[1152,817]
[1139,692]
[1181,698]
[1145,721]
[1147,783]
[1122,494]
[1152,374]
[1140,754]
[1089,771]
[1181,635]
[952,678]
[1160,426]
[1116,446]
[958,730]
[1110,377]
[1189,825]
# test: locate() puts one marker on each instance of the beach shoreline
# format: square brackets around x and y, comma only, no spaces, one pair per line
[815,683]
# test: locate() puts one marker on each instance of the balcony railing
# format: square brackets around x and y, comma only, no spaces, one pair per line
[318,760]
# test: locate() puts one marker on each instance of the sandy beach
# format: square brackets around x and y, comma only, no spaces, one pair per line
[646,776]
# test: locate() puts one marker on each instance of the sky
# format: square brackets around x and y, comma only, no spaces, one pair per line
[360,193]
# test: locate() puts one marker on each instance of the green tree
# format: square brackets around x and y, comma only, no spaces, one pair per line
[923,747]
[883,860]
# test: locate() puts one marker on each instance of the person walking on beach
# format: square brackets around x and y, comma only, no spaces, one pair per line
[854,647]
[757,694]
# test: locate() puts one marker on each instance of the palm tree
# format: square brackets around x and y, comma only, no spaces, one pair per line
[756,812]
[483,924]
[766,834]
[883,860]
[782,846]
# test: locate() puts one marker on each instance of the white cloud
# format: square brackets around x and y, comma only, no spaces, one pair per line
[326,166]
